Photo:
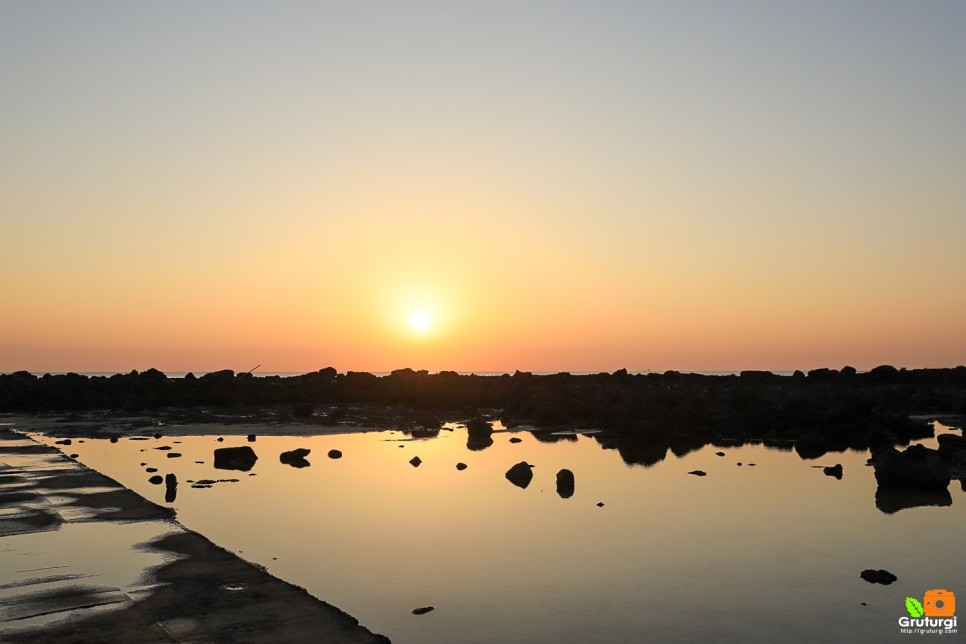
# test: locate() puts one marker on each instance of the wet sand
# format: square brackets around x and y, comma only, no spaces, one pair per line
[200,592]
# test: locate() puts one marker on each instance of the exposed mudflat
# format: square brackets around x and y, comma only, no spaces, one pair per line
[141,577]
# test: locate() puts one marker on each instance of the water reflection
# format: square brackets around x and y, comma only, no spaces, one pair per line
[495,558]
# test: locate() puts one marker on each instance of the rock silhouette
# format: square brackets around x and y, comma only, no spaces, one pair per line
[295,457]
[520,474]
[334,454]
[834,470]
[415,461]
[878,576]
[917,468]
[565,483]
[170,488]
[479,434]
[235,458]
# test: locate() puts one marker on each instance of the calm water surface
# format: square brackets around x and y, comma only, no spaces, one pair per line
[755,553]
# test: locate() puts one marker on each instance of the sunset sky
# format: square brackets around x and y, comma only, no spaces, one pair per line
[482,186]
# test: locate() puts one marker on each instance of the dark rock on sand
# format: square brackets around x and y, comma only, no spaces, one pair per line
[917,468]
[235,458]
[422,610]
[698,473]
[834,470]
[334,453]
[878,576]
[156,480]
[520,474]
[295,457]
[461,466]
[415,461]
[565,483]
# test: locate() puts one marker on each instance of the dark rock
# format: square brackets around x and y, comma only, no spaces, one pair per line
[170,488]
[917,468]
[173,454]
[334,453]
[251,438]
[220,439]
[461,466]
[520,474]
[719,453]
[156,480]
[150,469]
[422,610]
[698,473]
[295,457]
[415,461]
[113,439]
[878,576]
[600,504]
[479,434]
[834,470]
[163,448]
[66,441]
[235,458]
[157,436]
[565,483]
[890,501]
[516,440]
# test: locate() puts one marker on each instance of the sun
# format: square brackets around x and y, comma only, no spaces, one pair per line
[420,320]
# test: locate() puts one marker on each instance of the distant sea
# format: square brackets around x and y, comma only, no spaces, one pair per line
[287,374]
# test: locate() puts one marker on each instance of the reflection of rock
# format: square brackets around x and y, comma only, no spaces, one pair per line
[235,458]
[415,461]
[565,483]
[811,446]
[878,576]
[170,487]
[423,432]
[334,453]
[698,473]
[461,466]
[478,434]
[834,470]
[891,501]
[520,474]
[295,457]
[917,468]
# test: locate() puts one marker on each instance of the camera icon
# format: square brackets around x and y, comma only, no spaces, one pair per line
[939,603]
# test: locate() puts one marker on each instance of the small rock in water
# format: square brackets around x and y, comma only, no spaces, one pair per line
[565,483]
[461,466]
[520,474]
[296,457]
[66,441]
[415,461]
[251,438]
[739,463]
[719,453]
[600,504]
[516,440]
[883,577]
[74,455]
[220,439]
[150,469]
[334,453]
[422,610]
[156,480]
[113,439]
[156,436]
[174,454]
[835,470]
[163,447]
[699,472]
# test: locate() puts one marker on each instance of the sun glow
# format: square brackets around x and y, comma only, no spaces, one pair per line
[420,320]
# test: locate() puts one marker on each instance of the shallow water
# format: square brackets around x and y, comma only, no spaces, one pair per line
[744,553]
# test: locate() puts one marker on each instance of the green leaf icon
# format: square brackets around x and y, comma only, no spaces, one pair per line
[914,607]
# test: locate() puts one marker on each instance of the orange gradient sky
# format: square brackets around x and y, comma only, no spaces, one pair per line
[555,185]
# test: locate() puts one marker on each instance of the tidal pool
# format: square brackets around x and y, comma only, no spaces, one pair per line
[768,549]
